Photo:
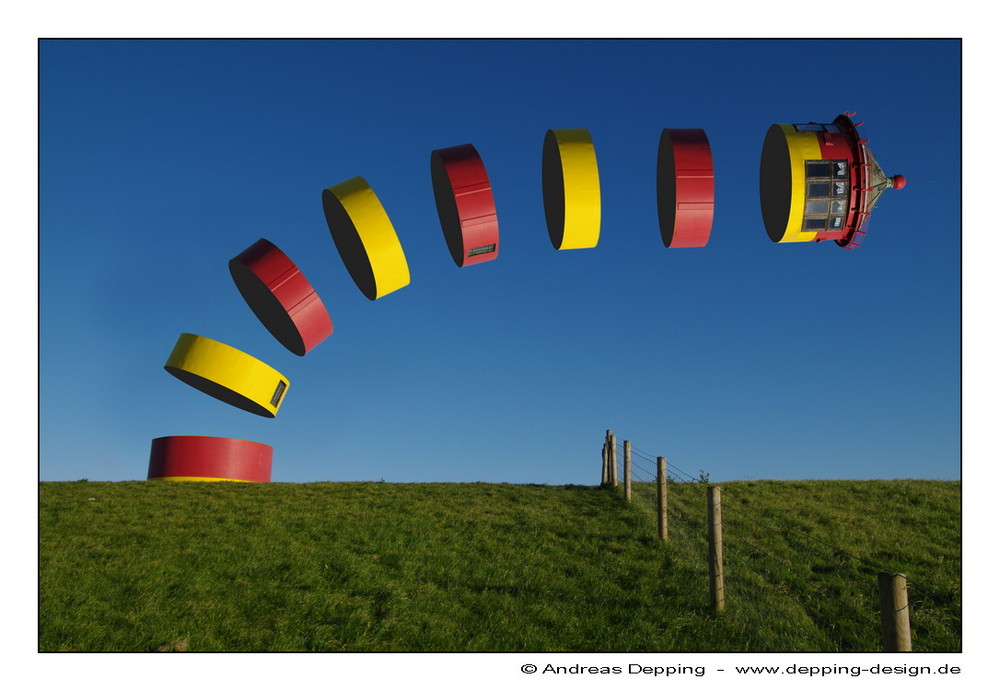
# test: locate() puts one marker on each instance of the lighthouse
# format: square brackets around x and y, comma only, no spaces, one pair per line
[820,181]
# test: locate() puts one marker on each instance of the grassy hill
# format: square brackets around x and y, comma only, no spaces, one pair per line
[142,566]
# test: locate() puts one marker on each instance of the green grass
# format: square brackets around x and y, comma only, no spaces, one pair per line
[140,566]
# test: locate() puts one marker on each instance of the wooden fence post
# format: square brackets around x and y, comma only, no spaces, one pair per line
[628,470]
[661,496]
[613,459]
[715,571]
[606,454]
[895,612]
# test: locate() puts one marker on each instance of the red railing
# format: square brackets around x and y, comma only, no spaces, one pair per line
[857,213]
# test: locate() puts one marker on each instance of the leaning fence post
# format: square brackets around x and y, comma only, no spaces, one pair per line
[628,470]
[613,459]
[715,574]
[895,612]
[661,496]
[605,476]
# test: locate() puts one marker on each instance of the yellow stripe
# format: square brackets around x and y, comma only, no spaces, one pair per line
[581,187]
[185,478]
[371,222]
[802,147]
[231,369]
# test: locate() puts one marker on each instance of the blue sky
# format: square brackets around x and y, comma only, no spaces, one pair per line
[161,160]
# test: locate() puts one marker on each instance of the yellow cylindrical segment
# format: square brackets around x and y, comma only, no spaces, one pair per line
[365,238]
[227,374]
[783,181]
[571,189]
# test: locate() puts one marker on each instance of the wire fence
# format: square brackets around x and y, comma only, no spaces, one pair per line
[766,559]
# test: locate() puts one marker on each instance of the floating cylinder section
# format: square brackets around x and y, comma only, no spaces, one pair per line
[465,204]
[281,297]
[685,188]
[571,189]
[209,459]
[819,181]
[365,238]
[227,374]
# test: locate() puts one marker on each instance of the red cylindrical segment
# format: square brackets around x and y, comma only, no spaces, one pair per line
[685,188]
[210,457]
[465,204]
[281,297]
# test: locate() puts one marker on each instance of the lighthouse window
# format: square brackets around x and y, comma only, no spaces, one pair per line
[827,188]
[817,207]
[818,169]
[824,223]
[818,189]
[826,169]
[816,127]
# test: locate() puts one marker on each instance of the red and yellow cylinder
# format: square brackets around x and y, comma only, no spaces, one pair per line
[814,181]
[571,189]
[365,238]
[685,188]
[227,374]
[281,297]
[209,459]
[465,204]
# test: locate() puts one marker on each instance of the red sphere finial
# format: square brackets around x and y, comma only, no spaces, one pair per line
[898,182]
